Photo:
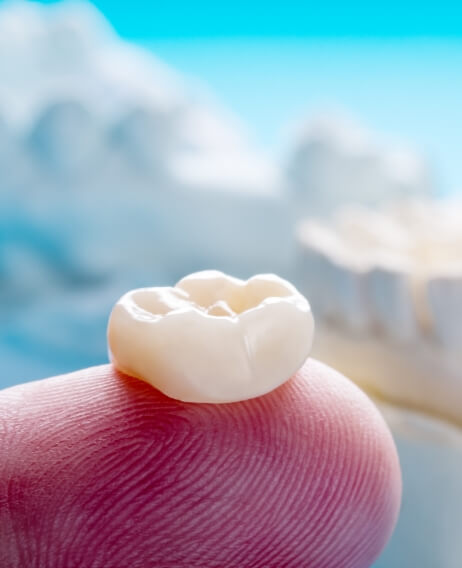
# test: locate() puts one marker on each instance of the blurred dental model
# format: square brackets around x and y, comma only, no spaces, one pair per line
[334,161]
[111,149]
[386,290]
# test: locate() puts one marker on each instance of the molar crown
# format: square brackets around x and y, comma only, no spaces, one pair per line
[212,338]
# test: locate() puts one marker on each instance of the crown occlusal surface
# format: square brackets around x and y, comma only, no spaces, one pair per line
[212,338]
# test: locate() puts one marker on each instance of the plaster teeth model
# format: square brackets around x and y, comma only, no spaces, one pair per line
[404,267]
[212,338]
[406,354]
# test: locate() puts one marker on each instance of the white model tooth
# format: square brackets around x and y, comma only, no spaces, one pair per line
[350,291]
[445,304]
[212,338]
[336,283]
[391,302]
[316,243]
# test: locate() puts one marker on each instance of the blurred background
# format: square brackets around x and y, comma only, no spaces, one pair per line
[140,142]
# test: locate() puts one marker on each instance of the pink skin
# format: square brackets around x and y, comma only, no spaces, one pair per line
[101,470]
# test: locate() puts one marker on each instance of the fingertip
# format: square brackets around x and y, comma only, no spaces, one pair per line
[305,476]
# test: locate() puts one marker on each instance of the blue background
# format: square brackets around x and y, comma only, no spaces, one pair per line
[139,19]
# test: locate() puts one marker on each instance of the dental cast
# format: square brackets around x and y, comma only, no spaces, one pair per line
[212,338]
[386,288]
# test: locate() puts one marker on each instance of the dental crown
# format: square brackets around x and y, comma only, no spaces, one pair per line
[212,338]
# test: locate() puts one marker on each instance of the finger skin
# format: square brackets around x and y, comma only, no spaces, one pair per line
[101,470]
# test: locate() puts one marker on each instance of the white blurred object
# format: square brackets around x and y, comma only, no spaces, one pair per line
[63,53]
[138,167]
[48,53]
[334,161]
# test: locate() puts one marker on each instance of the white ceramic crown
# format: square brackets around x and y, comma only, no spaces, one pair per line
[212,338]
